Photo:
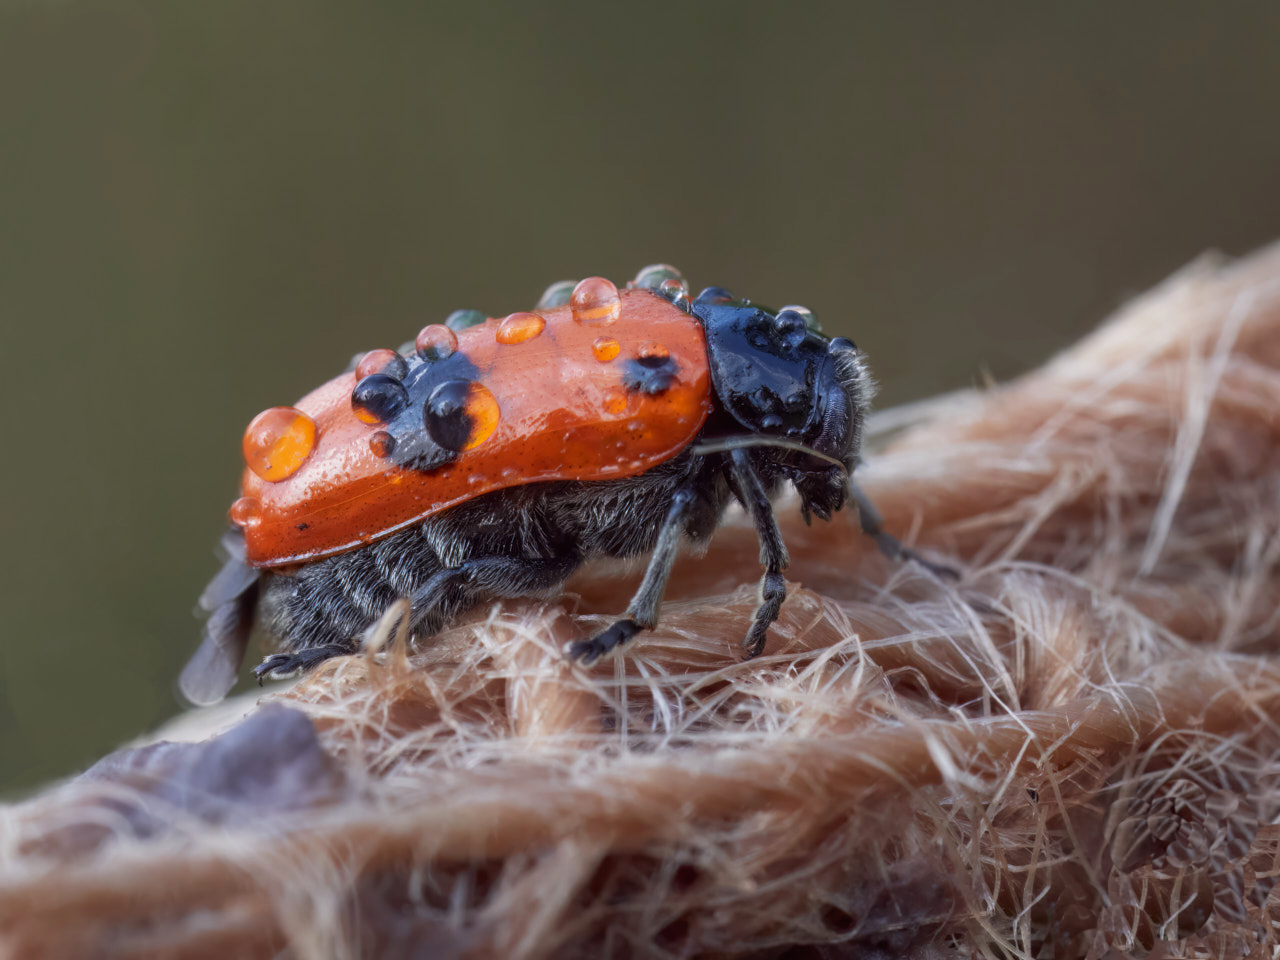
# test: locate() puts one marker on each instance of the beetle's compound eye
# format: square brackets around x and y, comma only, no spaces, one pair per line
[460,414]
[842,345]
[378,398]
[278,442]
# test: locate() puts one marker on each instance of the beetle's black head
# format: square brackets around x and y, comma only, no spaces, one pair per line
[777,375]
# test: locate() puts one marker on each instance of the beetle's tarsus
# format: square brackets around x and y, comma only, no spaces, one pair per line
[589,651]
[282,666]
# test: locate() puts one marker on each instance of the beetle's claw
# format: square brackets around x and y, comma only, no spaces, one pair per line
[589,651]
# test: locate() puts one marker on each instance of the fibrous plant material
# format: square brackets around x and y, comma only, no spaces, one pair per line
[1071,750]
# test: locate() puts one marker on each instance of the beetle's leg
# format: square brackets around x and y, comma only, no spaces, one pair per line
[873,526]
[773,552]
[280,666]
[642,613]
[454,589]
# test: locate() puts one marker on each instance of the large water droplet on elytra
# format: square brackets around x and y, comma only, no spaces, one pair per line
[556,295]
[277,442]
[378,398]
[436,342]
[382,361]
[519,327]
[461,414]
[595,301]
[605,349]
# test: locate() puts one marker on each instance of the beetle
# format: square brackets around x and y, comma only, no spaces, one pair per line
[492,457]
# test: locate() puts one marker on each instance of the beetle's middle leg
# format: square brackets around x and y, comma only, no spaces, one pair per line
[642,613]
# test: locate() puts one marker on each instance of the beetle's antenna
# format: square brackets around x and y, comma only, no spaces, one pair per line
[738,443]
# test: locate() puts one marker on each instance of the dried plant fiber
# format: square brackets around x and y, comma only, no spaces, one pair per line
[1073,749]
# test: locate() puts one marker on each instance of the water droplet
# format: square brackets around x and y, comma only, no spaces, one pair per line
[810,318]
[382,361]
[791,327]
[653,354]
[378,398]
[519,327]
[382,444]
[616,401]
[465,319]
[437,341]
[278,442]
[653,276]
[605,348]
[595,300]
[675,290]
[635,426]
[556,295]
[461,414]
[245,511]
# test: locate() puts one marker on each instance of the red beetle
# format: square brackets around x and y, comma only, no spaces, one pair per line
[493,457]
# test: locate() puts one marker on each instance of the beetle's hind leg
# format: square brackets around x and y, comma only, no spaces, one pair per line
[642,613]
[773,551]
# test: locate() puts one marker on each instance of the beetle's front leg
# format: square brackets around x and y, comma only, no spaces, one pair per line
[642,614]
[773,552]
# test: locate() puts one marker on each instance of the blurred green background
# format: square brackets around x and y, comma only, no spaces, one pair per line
[207,207]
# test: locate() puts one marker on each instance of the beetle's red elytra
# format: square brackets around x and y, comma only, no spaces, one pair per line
[539,404]
[493,456]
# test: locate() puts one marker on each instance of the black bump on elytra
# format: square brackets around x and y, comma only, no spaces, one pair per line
[650,375]
[445,415]
[379,396]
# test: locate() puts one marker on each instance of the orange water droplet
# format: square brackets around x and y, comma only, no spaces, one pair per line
[278,442]
[381,361]
[616,401]
[653,353]
[382,444]
[245,511]
[482,408]
[461,414]
[436,342]
[595,300]
[605,348]
[519,327]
